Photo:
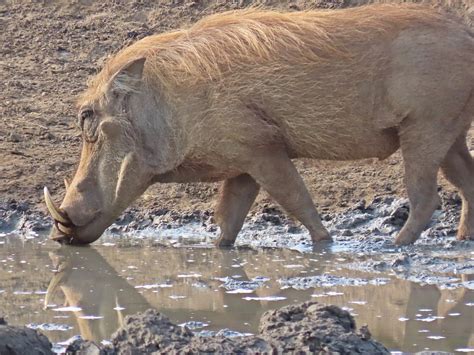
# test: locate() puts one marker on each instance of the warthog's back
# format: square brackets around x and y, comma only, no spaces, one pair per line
[325,82]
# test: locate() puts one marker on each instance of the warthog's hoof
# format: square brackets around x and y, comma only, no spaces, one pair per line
[224,243]
[321,237]
[465,236]
[405,238]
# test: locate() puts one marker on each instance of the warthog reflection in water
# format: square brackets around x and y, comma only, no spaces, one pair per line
[81,270]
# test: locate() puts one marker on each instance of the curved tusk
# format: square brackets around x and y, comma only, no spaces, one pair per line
[52,289]
[55,212]
[66,183]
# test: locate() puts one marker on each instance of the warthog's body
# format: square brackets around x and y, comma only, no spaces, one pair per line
[238,95]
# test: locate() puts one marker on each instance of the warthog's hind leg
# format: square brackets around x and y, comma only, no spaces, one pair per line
[428,145]
[276,174]
[458,168]
[424,149]
[237,196]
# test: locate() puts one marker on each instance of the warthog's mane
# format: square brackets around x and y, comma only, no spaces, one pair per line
[218,44]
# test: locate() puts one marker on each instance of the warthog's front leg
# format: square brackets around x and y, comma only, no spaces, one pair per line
[458,168]
[237,196]
[276,174]
[422,192]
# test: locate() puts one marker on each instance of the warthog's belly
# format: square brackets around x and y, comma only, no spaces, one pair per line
[190,171]
[344,146]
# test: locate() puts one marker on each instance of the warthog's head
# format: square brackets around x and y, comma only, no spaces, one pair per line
[124,145]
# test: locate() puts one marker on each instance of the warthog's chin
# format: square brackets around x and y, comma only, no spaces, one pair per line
[76,235]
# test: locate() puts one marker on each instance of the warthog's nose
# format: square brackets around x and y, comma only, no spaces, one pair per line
[82,202]
[80,215]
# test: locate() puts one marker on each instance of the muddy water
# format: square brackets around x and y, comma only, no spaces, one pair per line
[67,291]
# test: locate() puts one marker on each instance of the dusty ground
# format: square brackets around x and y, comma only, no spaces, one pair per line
[49,51]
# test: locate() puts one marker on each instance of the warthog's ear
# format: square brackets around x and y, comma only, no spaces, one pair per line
[134,69]
[129,77]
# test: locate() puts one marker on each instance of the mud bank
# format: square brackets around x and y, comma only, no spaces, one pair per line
[166,259]
[22,340]
[364,232]
[308,327]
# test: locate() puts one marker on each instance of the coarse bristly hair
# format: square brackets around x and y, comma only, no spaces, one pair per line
[221,43]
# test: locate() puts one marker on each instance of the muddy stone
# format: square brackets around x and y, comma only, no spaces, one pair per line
[315,328]
[21,340]
[83,347]
[149,332]
[306,328]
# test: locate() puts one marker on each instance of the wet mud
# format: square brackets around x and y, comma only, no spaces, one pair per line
[366,230]
[305,328]
[413,298]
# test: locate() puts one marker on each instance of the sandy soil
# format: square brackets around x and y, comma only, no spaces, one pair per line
[49,51]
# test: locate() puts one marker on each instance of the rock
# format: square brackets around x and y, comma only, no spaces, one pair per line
[306,328]
[149,332]
[347,233]
[311,327]
[273,219]
[292,229]
[21,340]
[83,347]
[399,216]
[402,260]
[225,345]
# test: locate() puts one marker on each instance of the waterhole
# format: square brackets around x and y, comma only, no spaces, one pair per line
[409,303]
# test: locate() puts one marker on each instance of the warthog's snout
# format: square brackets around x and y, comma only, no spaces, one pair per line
[75,222]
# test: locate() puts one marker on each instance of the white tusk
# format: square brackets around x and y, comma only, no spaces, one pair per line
[55,212]
[66,183]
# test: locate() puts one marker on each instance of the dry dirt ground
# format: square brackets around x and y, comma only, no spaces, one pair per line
[49,49]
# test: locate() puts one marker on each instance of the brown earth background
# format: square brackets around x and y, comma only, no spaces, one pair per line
[48,49]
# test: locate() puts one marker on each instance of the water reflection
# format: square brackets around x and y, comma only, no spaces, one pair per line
[89,284]
[408,316]
[107,283]
[182,283]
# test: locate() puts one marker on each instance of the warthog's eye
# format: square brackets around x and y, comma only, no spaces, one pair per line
[84,115]
[88,125]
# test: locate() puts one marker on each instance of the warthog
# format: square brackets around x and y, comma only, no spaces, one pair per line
[239,95]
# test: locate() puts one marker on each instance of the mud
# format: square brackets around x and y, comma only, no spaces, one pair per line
[305,328]
[366,230]
[22,340]
[66,291]
[315,328]
[365,273]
